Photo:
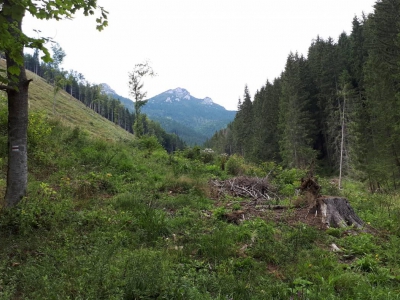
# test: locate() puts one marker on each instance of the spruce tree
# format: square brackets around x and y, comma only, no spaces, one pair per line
[382,77]
[266,117]
[295,123]
[243,123]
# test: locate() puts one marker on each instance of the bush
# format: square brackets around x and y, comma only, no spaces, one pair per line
[235,165]
[76,137]
[43,211]
[288,180]
[207,155]
[149,143]
[39,128]
[192,153]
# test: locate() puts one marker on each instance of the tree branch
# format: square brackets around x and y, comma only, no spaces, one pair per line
[6,88]
[28,82]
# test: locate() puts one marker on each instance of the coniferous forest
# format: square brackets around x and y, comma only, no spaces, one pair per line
[339,106]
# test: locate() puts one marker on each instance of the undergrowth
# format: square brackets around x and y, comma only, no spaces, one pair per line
[108,220]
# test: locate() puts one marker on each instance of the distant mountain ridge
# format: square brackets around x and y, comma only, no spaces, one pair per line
[107,89]
[191,118]
[180,94]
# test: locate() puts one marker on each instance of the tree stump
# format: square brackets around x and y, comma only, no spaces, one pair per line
[333,211]
[336,212]
[310,185]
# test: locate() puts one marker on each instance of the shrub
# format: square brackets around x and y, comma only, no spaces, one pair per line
[91,184]
[42,211]
[207,155]
[149,143]
[288,180]
[76,137]
[192,153]
[235,165]
[39,128]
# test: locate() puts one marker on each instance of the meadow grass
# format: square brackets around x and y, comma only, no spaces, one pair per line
[122,219]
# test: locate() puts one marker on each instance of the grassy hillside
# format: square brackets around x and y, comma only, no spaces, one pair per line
[108,219]
[69,111]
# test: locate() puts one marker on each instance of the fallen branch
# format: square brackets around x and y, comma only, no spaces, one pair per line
[246,187]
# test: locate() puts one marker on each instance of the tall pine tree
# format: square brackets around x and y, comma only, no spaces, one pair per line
[295,123]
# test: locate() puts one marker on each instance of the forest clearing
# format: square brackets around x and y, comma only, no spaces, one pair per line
[297,198]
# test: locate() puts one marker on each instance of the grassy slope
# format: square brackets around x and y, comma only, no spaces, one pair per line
[125,220]
[70,111]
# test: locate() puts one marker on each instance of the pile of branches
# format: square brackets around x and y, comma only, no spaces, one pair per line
[247,187]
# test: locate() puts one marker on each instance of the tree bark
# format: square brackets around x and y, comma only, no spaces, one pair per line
[342,144]
[336,212]
[17,173]
[333,211]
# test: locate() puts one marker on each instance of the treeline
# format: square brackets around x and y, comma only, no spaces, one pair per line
[92,96]
[339,106]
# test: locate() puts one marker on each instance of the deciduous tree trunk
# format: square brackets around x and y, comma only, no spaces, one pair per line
[17,174]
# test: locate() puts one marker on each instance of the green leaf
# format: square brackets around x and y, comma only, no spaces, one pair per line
[14,70]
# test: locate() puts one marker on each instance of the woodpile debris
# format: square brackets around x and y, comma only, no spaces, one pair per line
[321,211]
[258,189]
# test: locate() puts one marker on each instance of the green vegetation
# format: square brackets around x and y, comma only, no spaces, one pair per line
[110,216]
[192,119]
[336,109]
[93,96]
[108,219]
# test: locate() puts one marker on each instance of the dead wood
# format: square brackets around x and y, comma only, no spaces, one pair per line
[310,185]
[336,212]
[234,217]
[259,189]
[321,211]
[333,211]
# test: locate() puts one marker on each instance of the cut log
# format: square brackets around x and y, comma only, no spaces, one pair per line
[336,212]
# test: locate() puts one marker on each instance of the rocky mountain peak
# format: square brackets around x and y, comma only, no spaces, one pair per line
[207,101]
[177,94]
[107,89]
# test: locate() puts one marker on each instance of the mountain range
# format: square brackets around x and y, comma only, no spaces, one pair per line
[194,120]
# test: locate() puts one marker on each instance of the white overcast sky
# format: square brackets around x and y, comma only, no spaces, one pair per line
[212,48]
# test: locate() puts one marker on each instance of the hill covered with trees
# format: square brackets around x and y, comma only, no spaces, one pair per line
[194,120]
[337,107]
[94,97]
